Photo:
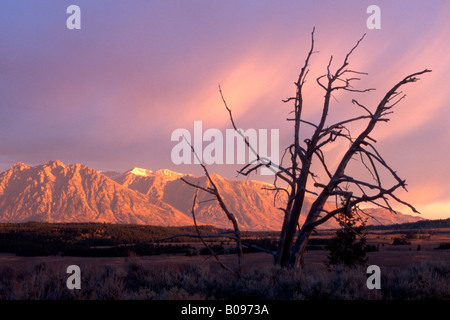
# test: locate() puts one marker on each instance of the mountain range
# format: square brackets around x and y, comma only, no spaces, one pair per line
[55,192]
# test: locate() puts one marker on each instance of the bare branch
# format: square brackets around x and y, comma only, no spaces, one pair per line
[208,190]
[403,202]
[201,238]
[249,245]
[266,162]
[214,190]
[321,157]
[339,72]
[302,121]
[341,123]
[360,105]
[276,189]
[353,203]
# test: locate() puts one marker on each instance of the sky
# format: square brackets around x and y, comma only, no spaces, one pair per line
[109,95]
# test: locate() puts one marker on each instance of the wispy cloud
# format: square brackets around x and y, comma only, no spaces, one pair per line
[110,95]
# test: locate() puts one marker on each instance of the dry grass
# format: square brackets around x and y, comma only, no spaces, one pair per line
[405,274]
[139,281]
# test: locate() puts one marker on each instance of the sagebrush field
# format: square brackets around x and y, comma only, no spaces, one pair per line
[414,262]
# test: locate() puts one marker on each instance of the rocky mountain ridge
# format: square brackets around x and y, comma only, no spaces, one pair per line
[55,192]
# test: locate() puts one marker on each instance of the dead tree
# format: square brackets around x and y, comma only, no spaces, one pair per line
[335,183]
[235,234]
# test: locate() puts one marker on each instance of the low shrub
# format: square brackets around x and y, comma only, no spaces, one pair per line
[138,281]
[399,241]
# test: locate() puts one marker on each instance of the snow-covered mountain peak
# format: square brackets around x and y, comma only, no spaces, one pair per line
[169,175]
[141,172]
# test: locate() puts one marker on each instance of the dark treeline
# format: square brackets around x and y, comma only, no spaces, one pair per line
[106,240]
[92,239]
[422,224]
[116,240]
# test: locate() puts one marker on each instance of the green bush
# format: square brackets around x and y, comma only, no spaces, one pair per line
[348,245]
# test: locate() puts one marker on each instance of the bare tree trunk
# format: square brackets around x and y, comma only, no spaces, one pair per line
[339,176]
[296,254]
[292,246]
[300,247]
[290,229]
[290,254]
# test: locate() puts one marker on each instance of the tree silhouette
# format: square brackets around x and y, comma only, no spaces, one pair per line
[335,183]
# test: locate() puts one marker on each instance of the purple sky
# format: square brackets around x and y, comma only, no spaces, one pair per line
[110,95]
